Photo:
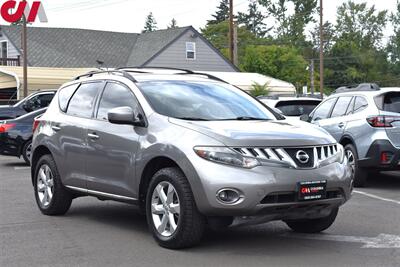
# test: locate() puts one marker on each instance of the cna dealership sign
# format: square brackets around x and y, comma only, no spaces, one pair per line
[13,11]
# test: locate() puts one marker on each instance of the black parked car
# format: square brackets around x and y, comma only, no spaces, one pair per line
[16,135]
[31,103]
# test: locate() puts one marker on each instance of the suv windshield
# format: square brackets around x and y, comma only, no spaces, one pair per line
[202,101]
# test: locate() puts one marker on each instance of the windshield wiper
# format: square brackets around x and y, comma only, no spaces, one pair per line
[245,118]
[192,119]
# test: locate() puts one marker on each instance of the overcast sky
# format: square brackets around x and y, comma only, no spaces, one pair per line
[129,15]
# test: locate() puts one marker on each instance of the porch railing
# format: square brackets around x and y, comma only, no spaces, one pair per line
[10,61]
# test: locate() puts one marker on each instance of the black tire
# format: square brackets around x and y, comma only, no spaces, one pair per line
[360,175]
[313,225]
[61,199]
[191,224]
[26,150]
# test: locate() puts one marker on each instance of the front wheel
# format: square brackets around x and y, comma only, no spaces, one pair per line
[171,211]
[313,225]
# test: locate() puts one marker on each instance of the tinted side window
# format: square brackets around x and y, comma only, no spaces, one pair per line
[45,100]
[82,102]
[341,106]
[115,95]
[65,95]
[323,111]
[360,104]
[392,102]
[351,106]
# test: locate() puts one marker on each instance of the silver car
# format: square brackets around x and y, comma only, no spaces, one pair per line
[190,150]
[366,121]
[291,106]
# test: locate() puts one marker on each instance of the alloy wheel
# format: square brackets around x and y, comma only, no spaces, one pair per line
[28,151]
[352,161]
[45,185]
[165,209]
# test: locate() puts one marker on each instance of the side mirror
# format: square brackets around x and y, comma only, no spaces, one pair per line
[125,116]
[277,110]
[305,117]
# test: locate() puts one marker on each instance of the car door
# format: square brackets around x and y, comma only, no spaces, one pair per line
[336,123]
[320,116]
[111,147]
[70,130]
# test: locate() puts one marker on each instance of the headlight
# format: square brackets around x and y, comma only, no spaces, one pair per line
[227,156]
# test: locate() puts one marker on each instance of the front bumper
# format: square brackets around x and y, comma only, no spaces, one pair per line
[270,191]
[373,157]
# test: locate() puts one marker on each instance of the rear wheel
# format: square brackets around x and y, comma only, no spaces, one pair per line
[171,211]
[359,174]
[27,152]
[51,196]
[313,225]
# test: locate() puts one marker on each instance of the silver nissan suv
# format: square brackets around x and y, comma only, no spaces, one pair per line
[188,149]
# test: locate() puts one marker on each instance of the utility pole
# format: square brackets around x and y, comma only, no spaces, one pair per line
[321,49]
[235,45]
[25,54]
[312,77]
[231,32]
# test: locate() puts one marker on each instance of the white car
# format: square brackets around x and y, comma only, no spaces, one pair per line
[291,106]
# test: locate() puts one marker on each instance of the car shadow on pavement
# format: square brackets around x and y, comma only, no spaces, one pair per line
[15,164]
[120,216]
[385,180]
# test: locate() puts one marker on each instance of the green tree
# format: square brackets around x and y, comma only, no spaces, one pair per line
[150,23]
[360,24]
[217,34]
[222,13]
[253,20]
[281,62]
[291,28]
[259,89]
[394,42]
[173,24]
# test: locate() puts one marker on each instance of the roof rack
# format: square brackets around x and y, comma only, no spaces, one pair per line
[115,72]
[360,87]
[185,72]
[131,69]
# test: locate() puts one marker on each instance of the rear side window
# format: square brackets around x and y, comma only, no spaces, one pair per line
[82,102]
[324,109]
[114,96]
[360,104]
[341,106]
[65,95]
[391,102]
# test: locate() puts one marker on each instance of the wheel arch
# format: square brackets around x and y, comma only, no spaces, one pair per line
[348,140]
[36,155]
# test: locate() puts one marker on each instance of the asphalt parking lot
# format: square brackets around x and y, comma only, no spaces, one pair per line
[94,233]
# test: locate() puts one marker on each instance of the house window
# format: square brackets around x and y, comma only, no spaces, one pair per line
[3,49]
[191,50]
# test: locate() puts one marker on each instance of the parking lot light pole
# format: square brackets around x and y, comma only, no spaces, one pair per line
[321,50]
[25,54]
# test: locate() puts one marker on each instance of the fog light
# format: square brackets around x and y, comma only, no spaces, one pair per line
[228,196]
[386,157]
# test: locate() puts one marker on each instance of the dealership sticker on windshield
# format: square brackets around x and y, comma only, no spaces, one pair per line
[312,190]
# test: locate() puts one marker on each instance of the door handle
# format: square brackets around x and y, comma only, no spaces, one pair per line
[341,125]
[56,128]
[93,136]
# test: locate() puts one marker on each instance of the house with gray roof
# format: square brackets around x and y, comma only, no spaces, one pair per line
[79,48]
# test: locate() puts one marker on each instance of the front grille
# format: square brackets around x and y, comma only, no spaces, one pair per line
[290,156]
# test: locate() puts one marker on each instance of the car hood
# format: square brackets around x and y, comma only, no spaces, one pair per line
[260,133]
